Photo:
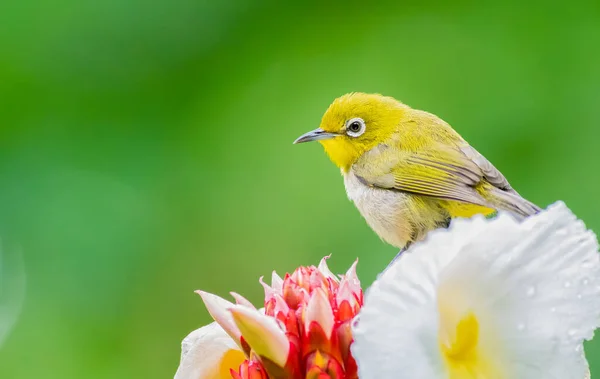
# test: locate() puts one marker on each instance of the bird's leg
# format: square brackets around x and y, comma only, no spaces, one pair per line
[443,224]
[399,254]
[414,236]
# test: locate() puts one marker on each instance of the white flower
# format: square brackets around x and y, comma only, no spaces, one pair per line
[486,299]
[208,353]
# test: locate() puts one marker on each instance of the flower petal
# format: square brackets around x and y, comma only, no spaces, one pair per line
[344,294]
[276,283]
[352,279]
[250,370]
[319,310]
[208,353]
[325,269]
[262,334]
[241,300]
[529,291]
[280,306]
[269,291]
[218,309]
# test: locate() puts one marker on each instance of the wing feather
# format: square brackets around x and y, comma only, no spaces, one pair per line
[440,171]
[444,172]
[490,173]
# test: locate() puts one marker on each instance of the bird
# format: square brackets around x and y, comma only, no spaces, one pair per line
[407,171]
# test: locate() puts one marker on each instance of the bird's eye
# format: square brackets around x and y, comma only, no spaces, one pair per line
[355,127]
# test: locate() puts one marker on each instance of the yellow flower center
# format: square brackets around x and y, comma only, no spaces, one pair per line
[463,348]
[460,342]
[232,359]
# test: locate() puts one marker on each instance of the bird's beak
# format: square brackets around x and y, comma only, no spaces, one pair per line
[315,135]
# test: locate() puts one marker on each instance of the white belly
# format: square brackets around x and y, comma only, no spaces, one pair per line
[385,211]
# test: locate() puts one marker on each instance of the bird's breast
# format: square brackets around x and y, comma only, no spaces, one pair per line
[387,212]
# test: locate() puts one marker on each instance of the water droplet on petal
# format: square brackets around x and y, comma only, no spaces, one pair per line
[585,281]
[572,332]
[521,327]
[531,291]
[578,348]
[579,296]
[553,309]
[567,284]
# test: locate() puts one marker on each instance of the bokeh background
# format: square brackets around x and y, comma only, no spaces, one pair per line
[146,150]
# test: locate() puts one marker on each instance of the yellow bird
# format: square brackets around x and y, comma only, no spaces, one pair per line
[407,171]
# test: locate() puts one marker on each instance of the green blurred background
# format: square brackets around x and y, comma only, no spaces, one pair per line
[146,149]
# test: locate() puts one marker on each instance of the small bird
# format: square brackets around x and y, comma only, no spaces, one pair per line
[407,171]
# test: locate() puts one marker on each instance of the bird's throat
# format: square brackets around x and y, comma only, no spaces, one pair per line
[341,153]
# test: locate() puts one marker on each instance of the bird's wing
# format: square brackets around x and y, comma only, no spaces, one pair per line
[490,173]
[440,171]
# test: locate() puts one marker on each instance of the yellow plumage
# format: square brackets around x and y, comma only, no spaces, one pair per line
[407,170]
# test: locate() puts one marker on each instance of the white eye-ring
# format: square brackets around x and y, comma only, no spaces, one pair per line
[355,127]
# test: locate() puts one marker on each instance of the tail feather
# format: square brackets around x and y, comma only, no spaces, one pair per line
[512,202]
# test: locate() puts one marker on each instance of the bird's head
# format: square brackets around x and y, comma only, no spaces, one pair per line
[355,123]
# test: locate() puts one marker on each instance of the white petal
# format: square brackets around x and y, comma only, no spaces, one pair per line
[219,310]
[533,286]
[208,353]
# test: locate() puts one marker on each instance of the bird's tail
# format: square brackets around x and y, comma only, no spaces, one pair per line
[512,202]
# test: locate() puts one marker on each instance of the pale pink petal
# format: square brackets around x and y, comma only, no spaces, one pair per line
[352,279]
[325,269]
[276,283]
[319,310]
[208,353]
[280,305]
[218,309]
[269,291]
[344,293]
[262,333]
[241,300]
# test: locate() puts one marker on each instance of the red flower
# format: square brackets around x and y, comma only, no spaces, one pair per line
[305,329]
